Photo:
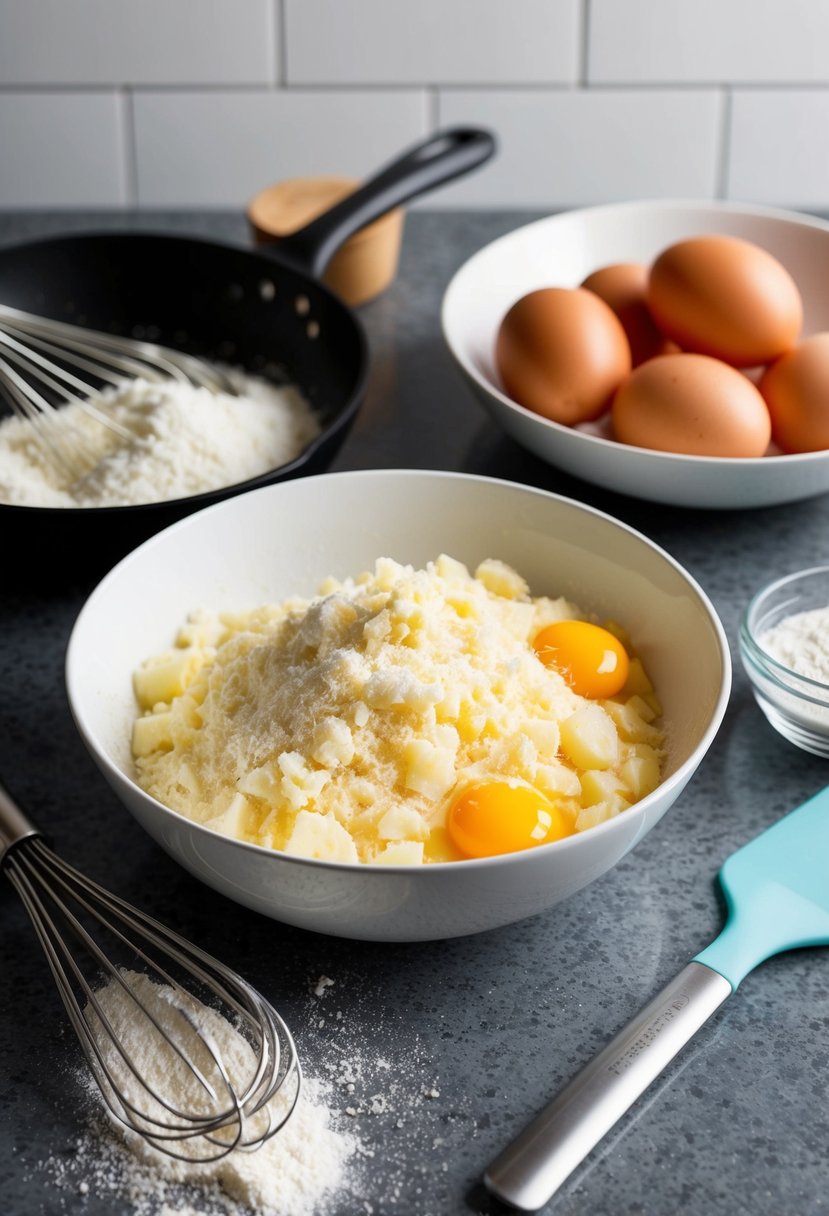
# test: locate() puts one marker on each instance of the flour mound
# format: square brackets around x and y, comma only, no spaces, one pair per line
[291,1174]
[185,440]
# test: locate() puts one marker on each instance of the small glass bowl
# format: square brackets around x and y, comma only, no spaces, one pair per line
[796,705]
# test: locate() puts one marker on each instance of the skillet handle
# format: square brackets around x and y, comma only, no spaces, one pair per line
[439,159]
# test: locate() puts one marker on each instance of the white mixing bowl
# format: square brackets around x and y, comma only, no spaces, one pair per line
[281,540]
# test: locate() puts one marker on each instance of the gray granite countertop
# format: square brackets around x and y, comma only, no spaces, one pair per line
[493,1024]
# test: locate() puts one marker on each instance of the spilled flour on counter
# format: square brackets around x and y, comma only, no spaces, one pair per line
[368,1130]
[291,1174]
[285,1177]
[185,440]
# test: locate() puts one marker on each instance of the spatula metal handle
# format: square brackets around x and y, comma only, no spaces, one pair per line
[531,1169]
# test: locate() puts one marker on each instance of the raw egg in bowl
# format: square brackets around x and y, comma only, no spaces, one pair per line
[528,805]
[731,414]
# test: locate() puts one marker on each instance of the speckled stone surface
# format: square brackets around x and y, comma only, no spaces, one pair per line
[492,1025]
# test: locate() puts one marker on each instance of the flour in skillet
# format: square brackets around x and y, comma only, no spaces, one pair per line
[186,440]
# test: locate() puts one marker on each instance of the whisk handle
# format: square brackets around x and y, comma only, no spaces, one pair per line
[14,826]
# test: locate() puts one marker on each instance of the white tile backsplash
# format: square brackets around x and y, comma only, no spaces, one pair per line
[707,41]
[573,148]
[432,41]
[199,102]
[176,42]
[61,150]
[777,147]
[219,148]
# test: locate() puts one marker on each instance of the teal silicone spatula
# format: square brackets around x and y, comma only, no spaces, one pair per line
[777,892]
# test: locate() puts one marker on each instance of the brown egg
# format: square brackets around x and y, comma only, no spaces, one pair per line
[691,404]
[623,286]
[562,352]
[726,297]
[796,390]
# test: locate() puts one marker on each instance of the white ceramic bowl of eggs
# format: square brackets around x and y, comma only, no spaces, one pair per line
[283,540]
[774,275]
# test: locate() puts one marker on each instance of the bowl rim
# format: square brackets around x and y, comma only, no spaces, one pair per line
[755,656]
[117,776]
[573,433]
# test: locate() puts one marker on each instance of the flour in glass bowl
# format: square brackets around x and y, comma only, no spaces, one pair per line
[801,643]
[187,440]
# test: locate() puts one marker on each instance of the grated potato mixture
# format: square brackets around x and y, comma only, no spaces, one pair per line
[341,727]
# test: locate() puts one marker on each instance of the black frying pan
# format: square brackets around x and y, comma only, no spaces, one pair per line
[264,310]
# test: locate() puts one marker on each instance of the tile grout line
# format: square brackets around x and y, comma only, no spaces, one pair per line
[281,40]
[448,86]
[721,185]
[129,161]
[585,44]
[433,107]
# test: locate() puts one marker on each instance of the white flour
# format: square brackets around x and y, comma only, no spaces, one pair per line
[289,1175]
[363,1096]
[801,643]
[186,441]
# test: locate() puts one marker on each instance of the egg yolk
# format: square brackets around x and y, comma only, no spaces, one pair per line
[593,662]
[496,817]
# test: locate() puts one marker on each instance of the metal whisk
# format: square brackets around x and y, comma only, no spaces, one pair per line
[47,364]
[228,1112]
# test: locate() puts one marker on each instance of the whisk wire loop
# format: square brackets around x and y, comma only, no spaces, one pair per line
[40,354]
[108,365]
[231,1114]
[64,444]
[155,360]
[107,900]
[183,952]
[55,947]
